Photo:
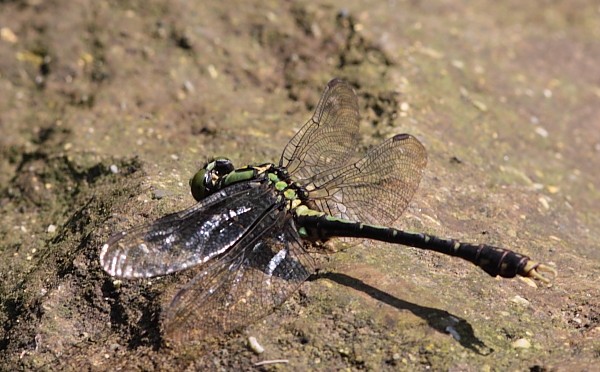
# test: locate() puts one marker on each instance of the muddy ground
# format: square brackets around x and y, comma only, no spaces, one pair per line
[108,107]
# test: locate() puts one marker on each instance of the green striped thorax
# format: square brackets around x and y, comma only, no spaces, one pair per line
[220,173]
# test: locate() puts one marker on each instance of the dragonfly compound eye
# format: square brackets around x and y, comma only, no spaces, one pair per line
[198,184]
[223,166]
[208,179]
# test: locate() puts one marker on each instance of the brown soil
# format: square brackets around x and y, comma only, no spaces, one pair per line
[504,95]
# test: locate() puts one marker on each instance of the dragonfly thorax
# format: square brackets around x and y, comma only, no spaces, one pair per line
[220,173]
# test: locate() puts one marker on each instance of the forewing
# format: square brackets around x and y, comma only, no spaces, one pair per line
[189,237]
[241,287]
[329,138]
[378,187]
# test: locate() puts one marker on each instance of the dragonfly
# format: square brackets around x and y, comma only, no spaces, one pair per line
[253,231]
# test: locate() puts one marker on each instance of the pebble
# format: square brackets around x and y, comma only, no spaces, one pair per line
[188,86]
[458,64]
[159,194]
[254,345]
[542,132]
[51,229]
[521,343]
[480,105]
[8,35]
[544,202]
[520,300]
[114,169]
[212,71]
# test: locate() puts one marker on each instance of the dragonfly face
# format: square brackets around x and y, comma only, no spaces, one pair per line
[207,180]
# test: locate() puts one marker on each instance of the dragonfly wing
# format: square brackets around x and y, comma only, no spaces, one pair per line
[329,138]
[378,187]
[260,273]
[190,237]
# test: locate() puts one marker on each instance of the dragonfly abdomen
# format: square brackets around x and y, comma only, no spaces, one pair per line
[493,260]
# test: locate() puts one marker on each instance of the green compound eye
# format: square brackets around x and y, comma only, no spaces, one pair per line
[198,186]
[207,180]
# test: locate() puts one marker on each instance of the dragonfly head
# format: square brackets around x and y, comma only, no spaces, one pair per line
[206,180]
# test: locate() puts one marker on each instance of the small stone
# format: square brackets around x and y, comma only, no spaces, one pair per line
[544,202]
[542,132]
[271,16]
[530,282]
[521,343]
[404,106]
[254,345]
[212,71]
[458,64]
[114,169]
[537,186]
[520,301]
[8,35]
[480,106]
[188,86]
[159,194]
[114,346]
[51,229]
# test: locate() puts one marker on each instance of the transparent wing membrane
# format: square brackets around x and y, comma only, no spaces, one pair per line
[378,187]
[322,155]
[187,238]
[329,138]
[242,287]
